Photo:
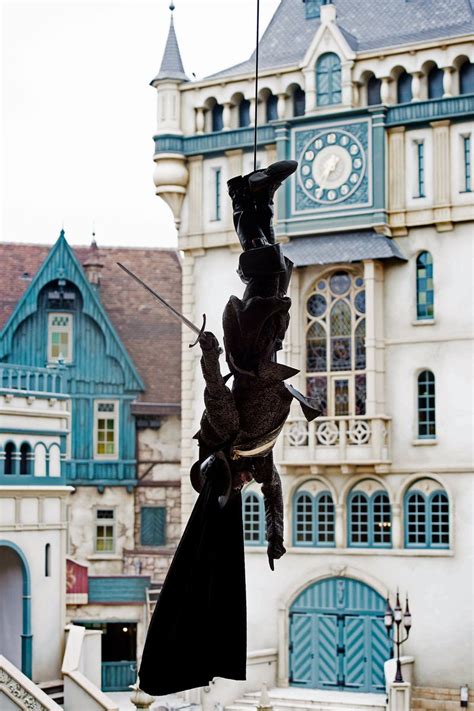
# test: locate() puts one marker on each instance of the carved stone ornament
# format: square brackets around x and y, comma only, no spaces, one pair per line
[15,691]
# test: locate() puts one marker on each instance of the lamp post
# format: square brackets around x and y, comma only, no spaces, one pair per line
[397,616]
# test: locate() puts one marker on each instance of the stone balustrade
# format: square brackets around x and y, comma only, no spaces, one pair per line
[337,441]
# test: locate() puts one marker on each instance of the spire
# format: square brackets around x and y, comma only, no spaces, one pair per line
[171,64]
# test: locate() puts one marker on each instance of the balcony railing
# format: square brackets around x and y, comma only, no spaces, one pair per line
[27,380]
[337,441]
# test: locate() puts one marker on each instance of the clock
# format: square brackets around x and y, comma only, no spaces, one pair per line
[332,166]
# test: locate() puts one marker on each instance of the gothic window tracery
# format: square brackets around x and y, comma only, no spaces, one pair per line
[335,344]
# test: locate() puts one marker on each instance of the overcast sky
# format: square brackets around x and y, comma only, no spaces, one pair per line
[78,114]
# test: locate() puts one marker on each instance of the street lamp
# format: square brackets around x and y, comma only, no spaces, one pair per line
[397,617]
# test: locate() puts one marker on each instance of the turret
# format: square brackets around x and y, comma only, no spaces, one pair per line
[171,174]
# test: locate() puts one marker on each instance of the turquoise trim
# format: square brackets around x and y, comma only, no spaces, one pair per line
[311,524]
[456,108]
[426,405]
[424,522]
[118,589]
[25,380]
[370,504]
[26,432]
[61,260]
[26,635]
[328,79]
[467,163]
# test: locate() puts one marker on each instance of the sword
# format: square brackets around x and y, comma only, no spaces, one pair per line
[174,311]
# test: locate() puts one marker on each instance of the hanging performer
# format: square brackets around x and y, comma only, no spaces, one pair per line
[198,629]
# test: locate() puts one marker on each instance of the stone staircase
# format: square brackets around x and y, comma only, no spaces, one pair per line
[427,698]
[294,699]
[54,689]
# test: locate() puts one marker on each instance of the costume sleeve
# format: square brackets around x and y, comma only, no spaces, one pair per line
[220,421]
[267,474]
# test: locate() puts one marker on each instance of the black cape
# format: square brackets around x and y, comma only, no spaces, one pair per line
[198,628]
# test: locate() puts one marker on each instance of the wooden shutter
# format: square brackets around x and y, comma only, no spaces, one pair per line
[153,526]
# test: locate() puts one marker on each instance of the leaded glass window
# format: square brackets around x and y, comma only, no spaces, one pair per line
[105,531]
[328,80]
[314,519]
[466,141]
[427,519]
[370,520]
[420,160]
[106,429]
[253,519]
[426,405]
[335,345]
[59,337]
[424,286]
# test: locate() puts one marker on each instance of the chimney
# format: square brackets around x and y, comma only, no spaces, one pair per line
[93,266]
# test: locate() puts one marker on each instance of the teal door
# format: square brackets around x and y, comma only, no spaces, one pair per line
[337,637]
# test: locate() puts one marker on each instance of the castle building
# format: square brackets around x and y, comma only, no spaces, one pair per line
[89,450]
[375,101]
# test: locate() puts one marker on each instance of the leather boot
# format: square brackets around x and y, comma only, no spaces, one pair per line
[245,215]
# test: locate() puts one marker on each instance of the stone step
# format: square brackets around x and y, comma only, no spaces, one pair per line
[294,699]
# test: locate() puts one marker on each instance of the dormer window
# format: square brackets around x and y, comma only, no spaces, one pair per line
[60,337]
[313,8]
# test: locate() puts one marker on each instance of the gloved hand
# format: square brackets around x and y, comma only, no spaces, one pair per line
[209,342]
[275,550]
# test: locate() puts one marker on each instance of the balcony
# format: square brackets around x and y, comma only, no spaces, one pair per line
[343,442]
[25,380]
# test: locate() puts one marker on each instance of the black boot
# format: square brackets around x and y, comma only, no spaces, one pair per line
[245,215]
[271,177]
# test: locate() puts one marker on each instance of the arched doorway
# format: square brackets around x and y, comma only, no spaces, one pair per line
[15,607]
[337,637]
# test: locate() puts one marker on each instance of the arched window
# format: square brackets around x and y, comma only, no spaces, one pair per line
[373,91]
[328,80]
[426,519]
[25,458]
[426,405]
[424,286]
[370,521]
[404,92]
[217,117]
[272,108]
[314,519]
[10,458]
[299,102]
[466,78]
[435,83]
[244,113]
[47,560]
[254,519]
[335,345]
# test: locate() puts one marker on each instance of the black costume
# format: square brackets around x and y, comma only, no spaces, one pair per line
[198,629]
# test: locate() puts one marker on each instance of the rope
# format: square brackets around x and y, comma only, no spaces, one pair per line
[256,90]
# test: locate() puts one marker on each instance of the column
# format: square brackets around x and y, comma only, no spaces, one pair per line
[385,90]
[347,86]
[200,119]
[281,106]
[356,93]
[396,179]
[416,85]
[252,111]
[226,115]
[441,175]
[448,76]
[310,89]
[340,537]
[397,533]
[374,344]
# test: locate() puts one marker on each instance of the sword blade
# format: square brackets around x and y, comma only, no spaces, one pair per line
[162,301]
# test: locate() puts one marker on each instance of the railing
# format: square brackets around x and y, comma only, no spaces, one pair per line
[17,691]
[336,441]
[118,676]
[24,379]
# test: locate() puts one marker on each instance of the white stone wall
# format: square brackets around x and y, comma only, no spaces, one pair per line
[30,518]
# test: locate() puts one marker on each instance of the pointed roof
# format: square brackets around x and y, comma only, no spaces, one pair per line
[171,64]
[150,336]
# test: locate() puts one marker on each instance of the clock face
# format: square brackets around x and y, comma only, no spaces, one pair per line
[332,166]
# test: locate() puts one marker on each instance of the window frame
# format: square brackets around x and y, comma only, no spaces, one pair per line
[418,289]
[113,525]
[261,518]
[69,330]
[370,498]
[116,418]
[334,77]
[217,207]
[425,437]
[315,499]
[420,169]
[428,502]
[467,162]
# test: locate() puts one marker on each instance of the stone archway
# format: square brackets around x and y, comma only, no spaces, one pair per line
[15,607]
